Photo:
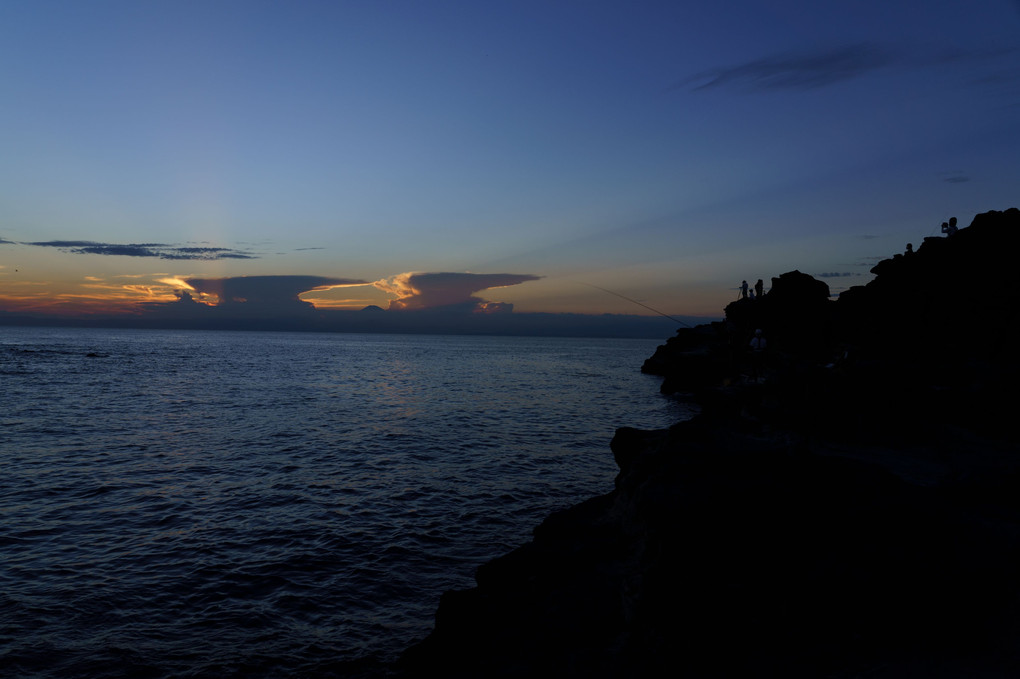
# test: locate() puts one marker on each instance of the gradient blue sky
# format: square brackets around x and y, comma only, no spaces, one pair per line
[664,150]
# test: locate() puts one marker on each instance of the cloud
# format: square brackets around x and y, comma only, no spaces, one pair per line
[158,250]
[797,71]
[955,177]
[417,291]
[811,69]
[269,293]
[243,297]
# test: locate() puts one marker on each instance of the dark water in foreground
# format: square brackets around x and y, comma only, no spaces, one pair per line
[261,504]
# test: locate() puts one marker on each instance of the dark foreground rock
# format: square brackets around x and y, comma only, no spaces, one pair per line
[852,512]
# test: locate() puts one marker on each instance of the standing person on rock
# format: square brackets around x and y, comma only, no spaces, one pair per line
[759,289]
[743,290]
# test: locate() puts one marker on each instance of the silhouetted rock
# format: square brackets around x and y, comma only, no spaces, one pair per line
[693,359]
[794,315]
[855,513]
[928,341]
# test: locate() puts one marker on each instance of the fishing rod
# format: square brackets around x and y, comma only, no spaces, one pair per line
[675,320]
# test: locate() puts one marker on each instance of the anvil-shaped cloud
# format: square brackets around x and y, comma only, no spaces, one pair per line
[269,293]
[429,290]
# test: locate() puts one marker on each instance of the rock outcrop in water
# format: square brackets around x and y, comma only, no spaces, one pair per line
[854,512]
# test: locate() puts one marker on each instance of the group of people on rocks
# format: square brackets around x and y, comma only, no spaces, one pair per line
[949,228]
[757,344]
[758,291]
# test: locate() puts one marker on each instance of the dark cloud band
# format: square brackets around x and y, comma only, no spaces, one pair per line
[157,250]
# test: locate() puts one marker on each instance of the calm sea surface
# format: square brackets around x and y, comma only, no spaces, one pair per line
[262,504]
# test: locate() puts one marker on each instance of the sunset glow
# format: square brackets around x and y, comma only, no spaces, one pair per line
[664,154]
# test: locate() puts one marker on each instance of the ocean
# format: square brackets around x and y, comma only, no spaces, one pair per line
[191,504]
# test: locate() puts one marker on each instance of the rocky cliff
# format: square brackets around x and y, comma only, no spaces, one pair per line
[847,503]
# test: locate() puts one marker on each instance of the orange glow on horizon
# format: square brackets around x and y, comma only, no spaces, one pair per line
[325,303]
[320,299]
[93,295]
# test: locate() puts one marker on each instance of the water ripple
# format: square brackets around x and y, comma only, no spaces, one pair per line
[256,504]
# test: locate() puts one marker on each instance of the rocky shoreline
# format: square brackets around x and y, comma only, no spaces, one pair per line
[848,507]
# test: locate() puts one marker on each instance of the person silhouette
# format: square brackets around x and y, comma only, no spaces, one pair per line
[950,228]
[743,290]
[759,288]
[910,249]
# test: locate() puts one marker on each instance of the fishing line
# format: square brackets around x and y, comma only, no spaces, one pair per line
[675,320]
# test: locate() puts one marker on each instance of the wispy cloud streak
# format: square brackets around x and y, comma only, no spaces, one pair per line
[820,67]
[796,71]
[156,250]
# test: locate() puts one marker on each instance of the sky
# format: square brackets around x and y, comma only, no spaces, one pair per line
[498,157]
